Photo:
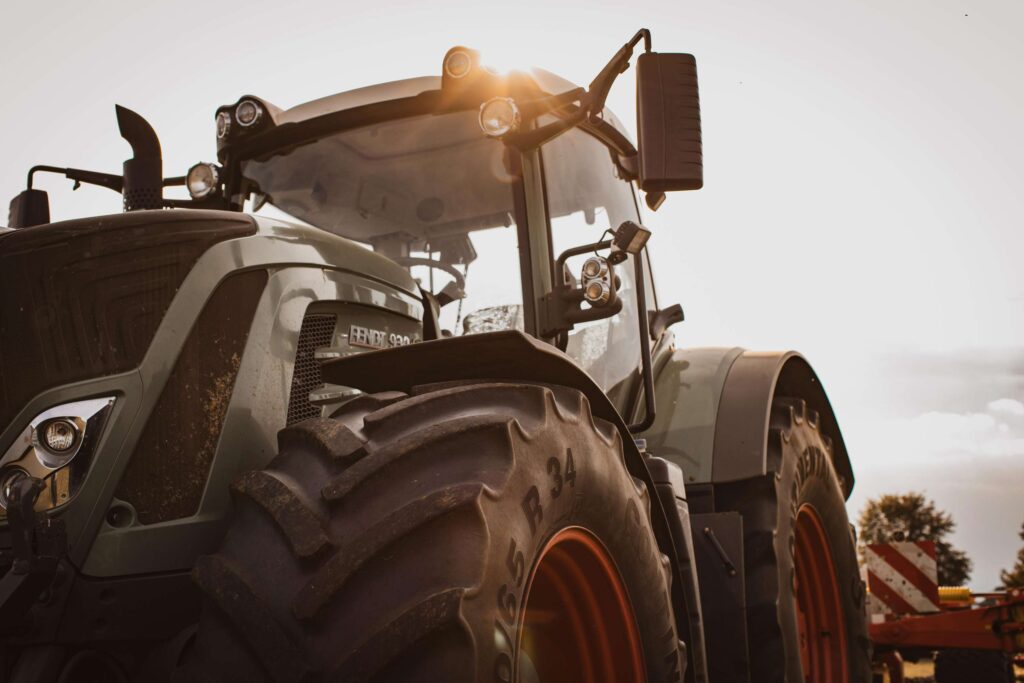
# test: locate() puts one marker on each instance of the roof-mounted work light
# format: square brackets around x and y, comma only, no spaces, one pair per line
[499,116]
[460,63]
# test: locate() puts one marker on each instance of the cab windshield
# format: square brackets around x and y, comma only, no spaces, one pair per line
[436,195]
[430,192]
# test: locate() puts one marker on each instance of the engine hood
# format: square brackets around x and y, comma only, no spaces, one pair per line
[83,298]
[320,246]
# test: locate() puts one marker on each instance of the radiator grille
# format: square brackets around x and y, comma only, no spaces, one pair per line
[166,476]
[317,331]
[84,298]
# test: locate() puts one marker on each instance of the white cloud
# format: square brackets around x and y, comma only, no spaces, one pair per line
[938,436]
[1008,406]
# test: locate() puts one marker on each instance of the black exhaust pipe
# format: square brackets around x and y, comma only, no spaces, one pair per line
[143,173]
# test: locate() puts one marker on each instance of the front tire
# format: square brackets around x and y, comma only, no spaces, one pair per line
[480,532]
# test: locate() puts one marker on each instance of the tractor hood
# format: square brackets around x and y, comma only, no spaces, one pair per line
[84,298]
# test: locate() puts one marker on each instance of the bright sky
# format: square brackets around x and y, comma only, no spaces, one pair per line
[863,169]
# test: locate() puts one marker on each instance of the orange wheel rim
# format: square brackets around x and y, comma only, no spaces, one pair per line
[577,623]
[819,611]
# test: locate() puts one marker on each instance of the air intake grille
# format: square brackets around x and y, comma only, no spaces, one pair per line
[166,476]
[317,331]
[84,298]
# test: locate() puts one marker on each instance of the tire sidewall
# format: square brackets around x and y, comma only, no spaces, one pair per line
[569,476]
[808,478]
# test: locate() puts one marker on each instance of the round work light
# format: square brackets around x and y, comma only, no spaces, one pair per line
[202,180]
[499,116]
[248,113]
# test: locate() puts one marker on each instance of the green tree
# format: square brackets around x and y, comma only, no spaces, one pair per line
[911,517]
[1014,578]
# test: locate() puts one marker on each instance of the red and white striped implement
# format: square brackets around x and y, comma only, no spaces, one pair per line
[902,578]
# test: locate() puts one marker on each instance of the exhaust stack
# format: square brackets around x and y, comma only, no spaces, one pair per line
[143,173]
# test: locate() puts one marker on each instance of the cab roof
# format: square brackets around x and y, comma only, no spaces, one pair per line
[409,87]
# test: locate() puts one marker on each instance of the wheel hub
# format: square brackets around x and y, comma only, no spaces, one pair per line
[578,623]
[820,621]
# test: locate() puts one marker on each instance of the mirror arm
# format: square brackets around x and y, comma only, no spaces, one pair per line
[531,139]
[587,114]
[551,104]
[107,180]
[597,93]
[645,34]
[44,169]
[646,363]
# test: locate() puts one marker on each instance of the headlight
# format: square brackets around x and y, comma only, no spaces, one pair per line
[8,480]
[499,116]
[57,447]
[56,440]
[593,267]
[59,436]
[597,293]
[248,113]
[202,180]
[223,125]
[598,281]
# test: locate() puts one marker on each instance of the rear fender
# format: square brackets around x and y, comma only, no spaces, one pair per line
[714,406]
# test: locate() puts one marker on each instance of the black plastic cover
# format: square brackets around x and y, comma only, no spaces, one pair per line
[668,123]
[723,594]
[31,207]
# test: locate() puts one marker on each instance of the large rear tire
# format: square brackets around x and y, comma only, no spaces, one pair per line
[805,598]
[480,532]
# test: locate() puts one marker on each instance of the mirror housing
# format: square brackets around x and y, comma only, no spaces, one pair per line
[668,123]
[31,207]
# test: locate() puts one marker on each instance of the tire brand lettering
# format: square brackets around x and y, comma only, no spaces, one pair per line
[532,510]
[555,470]
[516,563]
[370,338]
[561,474]
[570,468]
[503,668]
[812,461]
[507,604]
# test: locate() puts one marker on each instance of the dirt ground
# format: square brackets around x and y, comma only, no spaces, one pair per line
[918,672]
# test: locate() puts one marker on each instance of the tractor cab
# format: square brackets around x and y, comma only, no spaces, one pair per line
[502,194]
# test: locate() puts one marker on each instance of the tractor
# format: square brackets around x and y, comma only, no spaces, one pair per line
[393,397]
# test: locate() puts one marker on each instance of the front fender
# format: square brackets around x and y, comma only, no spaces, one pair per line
[513,357]
[714,406]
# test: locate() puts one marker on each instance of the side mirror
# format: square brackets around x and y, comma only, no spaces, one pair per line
[668,123]
[31,207]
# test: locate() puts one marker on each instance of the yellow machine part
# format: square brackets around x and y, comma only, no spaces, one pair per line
[954,594]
